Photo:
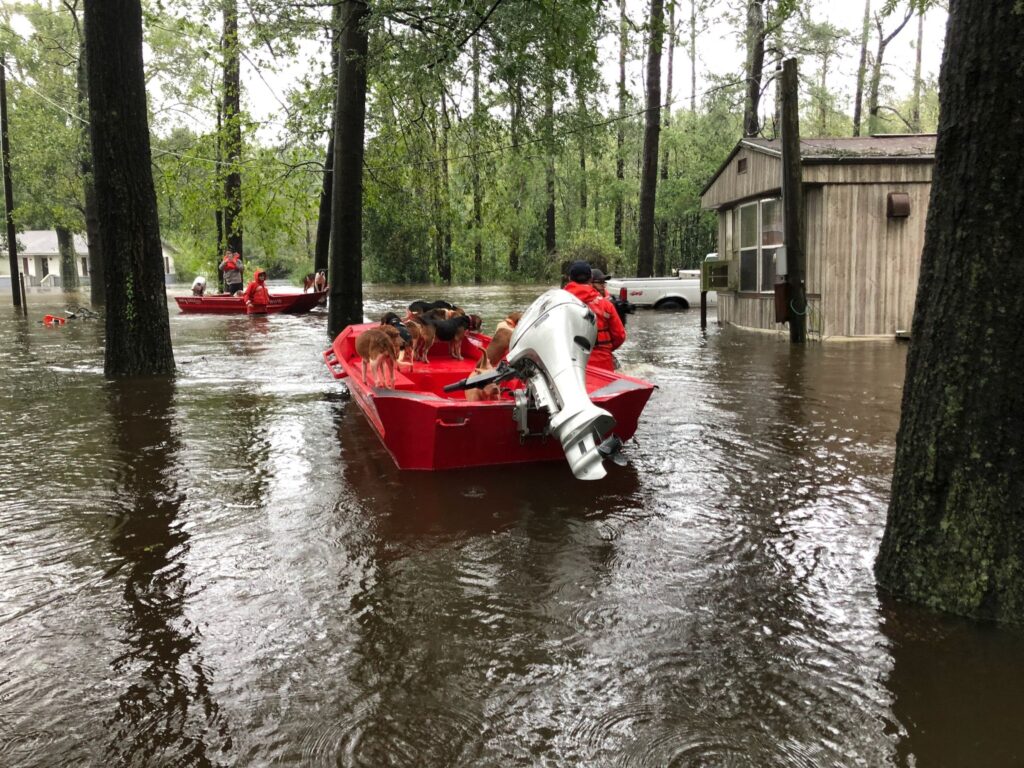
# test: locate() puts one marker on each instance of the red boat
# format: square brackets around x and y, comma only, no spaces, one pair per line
[424,427]
[286,303]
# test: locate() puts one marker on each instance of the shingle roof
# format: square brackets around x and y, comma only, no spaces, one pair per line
[918,146]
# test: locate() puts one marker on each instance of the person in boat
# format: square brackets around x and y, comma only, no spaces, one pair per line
[256,295]
[231,267]
[599,280]
[610,331]
[199,286]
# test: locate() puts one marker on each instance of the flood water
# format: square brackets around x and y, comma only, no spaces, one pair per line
[227,569]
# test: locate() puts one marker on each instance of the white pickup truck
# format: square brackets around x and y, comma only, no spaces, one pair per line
[679,292]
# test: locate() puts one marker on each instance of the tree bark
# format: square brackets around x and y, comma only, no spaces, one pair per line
[322,248]
[915,109]
[755,67]
[346,271]
[68,268]
[582,108]
[232,128]
[92,232]
[862,68]
[876,70]
[652,129]
[954,538]
[445,269]
[550,239]
[519,193]
[138,337]
[478,245]
[5,150]
[620,135]
[660,265]
[693,56]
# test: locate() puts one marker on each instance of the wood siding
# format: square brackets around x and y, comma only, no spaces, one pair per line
[763,175]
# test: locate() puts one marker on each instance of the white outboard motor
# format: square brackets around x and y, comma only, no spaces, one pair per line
[549,350]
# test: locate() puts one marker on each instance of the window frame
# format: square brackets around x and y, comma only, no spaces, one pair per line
[759,282]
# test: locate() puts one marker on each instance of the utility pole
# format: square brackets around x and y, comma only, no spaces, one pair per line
[5,147]
[793,204]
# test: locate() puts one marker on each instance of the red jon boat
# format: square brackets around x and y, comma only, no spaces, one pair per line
[423,426]
[287,303]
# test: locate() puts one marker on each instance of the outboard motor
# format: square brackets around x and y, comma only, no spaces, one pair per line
[549,350]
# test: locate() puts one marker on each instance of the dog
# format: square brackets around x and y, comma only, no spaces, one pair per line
[423,335]
[377,350]
[307,282]
[498,347]
[452,330]
[320,281]
[394,327]
[489,392]
[418,307]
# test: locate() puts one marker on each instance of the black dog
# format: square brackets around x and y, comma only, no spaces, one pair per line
[426,306]
[452,331]
[390,318]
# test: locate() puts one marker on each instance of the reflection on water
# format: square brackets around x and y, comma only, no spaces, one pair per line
[228,568]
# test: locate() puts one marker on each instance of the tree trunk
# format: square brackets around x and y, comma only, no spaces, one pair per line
[915,109]
[445,271]
[620,135]
[693,56]
[68,268]
[755,67]
[322,248]
[862,68]
[346,278]
[660,265]
[652,129]
[478,245]
[92,231]
[138,336]
[232,128]
[519,187]
[550,240]
[876,70]
[954,537]
[584,137]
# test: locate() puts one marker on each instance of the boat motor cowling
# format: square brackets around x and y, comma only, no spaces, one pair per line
[549,349]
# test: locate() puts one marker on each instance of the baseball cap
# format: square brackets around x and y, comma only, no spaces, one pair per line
[597,276]
[579,271]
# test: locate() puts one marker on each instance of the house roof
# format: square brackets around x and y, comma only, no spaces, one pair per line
[43,242]
[884,148]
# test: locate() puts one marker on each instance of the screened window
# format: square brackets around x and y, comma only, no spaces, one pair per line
[759,236]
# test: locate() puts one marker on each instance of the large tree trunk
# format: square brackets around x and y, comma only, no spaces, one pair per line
[652,129]
[519,186]
[346,277]
[138,335]
[954,538]
[660,266]
[584,138]
[232,128]
[620,135]
[68,268]
[755,67]
[321,250]
[693,56]
[862,68]
[92,222]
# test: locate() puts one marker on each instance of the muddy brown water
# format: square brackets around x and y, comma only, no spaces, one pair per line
[227,569]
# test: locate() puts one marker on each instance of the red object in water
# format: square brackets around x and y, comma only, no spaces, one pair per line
[424,427]
[623,294]
[287,303]
[54,320]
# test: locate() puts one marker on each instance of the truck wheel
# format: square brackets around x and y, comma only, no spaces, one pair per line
[672,304]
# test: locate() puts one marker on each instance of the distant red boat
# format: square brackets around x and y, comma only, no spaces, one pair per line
[424,427]
[285,303]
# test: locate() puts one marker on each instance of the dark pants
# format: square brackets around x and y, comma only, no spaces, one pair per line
[233,288]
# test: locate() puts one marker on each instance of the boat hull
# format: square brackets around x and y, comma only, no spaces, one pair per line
[424,428]
[281,303]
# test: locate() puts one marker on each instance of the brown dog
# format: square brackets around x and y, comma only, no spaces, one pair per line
[423,335]
[498,347]
[307,282]
[376,349]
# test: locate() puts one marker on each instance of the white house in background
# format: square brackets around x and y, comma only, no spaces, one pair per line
[39,259]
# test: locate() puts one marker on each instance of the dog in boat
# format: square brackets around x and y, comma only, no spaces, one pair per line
[377,351]
[451,329]
[315,281]
[403,334]
[493,355]
[419,307]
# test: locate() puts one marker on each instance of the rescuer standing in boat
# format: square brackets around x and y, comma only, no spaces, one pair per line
[231,267]
[610,331]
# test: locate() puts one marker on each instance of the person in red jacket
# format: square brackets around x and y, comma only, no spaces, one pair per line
[610,331]
[256,296]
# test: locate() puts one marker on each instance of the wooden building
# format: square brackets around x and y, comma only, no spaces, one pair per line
[865,206]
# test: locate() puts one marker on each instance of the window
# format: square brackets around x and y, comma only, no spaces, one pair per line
[741,165]
[759,237]
[85,267]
